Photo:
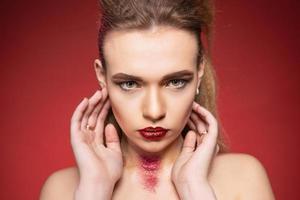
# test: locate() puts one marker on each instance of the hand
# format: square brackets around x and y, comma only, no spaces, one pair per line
[97,162]
[192,165]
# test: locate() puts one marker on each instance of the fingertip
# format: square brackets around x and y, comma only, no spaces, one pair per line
[202,109]
[112,132]
[191,124]
[84,104]
[217,149]
[190,140]
[79,109]
[84,100]
[98,94]
[191,135]
[196,105]
[189,143]
[109,126]
[112,137]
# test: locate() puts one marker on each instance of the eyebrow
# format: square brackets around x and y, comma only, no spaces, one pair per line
[178,74]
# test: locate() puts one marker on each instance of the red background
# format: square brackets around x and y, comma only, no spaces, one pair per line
[47,52]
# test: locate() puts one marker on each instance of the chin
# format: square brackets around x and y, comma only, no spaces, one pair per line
[152,147]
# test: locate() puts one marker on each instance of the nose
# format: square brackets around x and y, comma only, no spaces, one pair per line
[153,106]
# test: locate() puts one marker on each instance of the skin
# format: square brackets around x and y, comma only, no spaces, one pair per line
[121,168]
[154,54]
[149,169]
[152,101]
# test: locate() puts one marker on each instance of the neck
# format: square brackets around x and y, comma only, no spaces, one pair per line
[151,167]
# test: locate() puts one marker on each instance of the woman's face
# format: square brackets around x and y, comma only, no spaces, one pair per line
[151,80]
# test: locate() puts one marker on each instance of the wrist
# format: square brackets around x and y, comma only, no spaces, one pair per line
[196,190]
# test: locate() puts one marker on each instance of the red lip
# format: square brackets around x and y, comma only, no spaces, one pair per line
[151,133]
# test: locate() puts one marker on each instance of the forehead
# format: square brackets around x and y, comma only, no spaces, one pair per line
[161,49]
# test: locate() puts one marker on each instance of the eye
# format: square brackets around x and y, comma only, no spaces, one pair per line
[127,85]
[177,83]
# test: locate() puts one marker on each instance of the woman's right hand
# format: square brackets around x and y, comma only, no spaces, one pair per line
[98,162]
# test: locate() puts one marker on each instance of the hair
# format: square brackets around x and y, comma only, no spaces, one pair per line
[194,16]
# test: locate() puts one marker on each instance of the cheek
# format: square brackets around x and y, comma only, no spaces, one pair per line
[180,107]
[124,110]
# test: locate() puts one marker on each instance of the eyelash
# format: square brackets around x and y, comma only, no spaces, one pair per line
[183,81]
[122,83]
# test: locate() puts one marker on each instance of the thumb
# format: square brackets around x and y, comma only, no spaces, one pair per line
[112,138]
[189,142]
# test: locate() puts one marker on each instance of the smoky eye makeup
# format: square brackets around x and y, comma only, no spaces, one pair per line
[127,85]
[176,81]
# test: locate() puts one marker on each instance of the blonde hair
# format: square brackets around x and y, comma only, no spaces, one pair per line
[195,16]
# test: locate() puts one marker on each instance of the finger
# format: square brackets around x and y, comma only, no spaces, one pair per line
[209,140]
[112,138]
[77,117]
[92,120]
[200,125]
[78,113]
[217,150]
[92,102]
[208,118]
[100,122]
[189,142]
[191,125]
[198,139]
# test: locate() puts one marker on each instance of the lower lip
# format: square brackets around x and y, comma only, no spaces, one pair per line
[158,135]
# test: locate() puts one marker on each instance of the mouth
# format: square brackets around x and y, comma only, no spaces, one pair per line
[151,133]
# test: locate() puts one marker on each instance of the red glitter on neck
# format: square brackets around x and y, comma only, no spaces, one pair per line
[149,170]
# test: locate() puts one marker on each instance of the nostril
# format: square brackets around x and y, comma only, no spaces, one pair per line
[154,117]
[153,107]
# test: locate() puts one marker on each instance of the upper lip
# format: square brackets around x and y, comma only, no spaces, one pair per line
[153,129]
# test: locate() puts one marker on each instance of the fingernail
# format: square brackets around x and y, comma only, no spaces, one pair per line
[83,100]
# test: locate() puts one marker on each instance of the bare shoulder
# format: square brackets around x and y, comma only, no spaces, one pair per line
[243,172]
[236,161]
[60,184]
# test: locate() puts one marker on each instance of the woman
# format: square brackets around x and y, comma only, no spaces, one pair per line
[152,132]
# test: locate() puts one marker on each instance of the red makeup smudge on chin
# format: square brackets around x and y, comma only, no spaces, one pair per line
[149,166]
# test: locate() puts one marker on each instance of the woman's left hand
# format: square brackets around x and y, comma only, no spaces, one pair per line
[193,163]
